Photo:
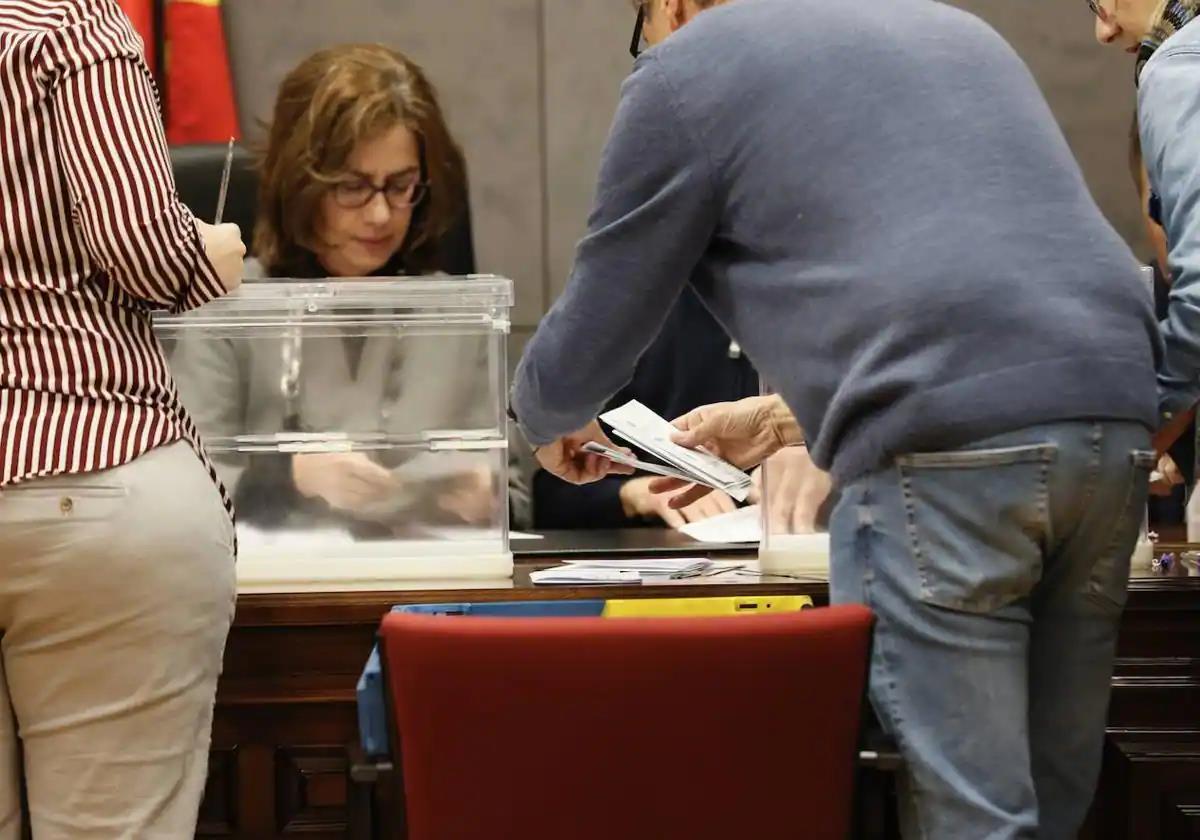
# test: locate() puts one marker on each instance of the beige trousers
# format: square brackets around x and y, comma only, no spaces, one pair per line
[116,593]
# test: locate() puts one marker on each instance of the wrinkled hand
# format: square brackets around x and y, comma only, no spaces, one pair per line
[225,250]
[796,490]
[472,497]
[638,499]
[744,433]
[348,481]
[1169,477]
[566,459]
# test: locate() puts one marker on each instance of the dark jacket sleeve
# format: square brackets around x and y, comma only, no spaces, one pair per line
[688,365]
[562,506]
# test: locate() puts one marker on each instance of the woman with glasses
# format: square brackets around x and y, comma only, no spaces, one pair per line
[360,177]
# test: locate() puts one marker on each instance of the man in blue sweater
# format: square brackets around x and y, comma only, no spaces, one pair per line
[874,200]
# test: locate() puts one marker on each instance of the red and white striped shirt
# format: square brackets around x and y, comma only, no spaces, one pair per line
[93,238]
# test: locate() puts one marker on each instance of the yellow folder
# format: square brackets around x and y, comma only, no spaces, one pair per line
[694,607]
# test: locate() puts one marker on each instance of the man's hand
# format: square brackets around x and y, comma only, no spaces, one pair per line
[567,459]
[1168,478]
[638,499]
[796,490]
[744,433]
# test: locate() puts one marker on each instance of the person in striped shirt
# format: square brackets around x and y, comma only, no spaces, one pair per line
[116,546]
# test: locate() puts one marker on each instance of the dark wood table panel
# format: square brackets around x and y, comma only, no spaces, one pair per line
[286,725]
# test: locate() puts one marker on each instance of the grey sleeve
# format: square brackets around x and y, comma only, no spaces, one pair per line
[209,376]
[1169,116]
[520,492]
[654,214]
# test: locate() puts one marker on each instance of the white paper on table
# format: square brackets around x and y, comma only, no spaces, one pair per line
[583,576]
[743,525]
[525,535]
[653,566]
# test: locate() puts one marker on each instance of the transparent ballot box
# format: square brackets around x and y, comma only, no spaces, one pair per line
[793,494]
[358,425]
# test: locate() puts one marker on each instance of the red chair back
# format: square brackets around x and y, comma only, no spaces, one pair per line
[588,728]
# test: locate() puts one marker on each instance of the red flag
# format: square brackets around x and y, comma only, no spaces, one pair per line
[141,15]
[200,102]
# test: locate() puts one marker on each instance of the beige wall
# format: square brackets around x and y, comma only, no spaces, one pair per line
[530,87]
[1090,89]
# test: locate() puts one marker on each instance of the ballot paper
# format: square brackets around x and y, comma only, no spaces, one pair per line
[743,525]
[583,576]
[644,429]
[630,461]
[582,572]
[653,570]
[670,566]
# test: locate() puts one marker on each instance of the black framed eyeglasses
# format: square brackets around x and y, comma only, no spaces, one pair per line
[1098,10]
[635,46]
[399,193]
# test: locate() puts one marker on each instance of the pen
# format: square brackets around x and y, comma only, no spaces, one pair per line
[224,183]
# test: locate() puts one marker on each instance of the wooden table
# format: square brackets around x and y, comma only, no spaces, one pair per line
[286,715]
[286,719]
[1150,783]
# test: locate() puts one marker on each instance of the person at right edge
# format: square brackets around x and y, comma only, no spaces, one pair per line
[875,201]
[1165,38]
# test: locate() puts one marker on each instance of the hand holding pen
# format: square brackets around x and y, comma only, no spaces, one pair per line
[223,242]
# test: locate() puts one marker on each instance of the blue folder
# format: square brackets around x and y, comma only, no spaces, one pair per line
[372,710]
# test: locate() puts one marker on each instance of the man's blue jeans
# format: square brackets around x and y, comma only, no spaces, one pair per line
[997,574]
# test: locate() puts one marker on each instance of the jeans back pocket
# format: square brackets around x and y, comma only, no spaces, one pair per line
[1109,578]
[978,522]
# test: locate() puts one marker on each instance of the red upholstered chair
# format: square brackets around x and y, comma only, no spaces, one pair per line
[581,728]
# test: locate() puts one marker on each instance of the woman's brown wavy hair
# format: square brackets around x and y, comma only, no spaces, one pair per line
[326,105]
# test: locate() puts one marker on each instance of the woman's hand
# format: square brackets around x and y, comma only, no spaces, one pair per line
[638,500]
[225,250]
[347,481]
[1168,477]
[471,497]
